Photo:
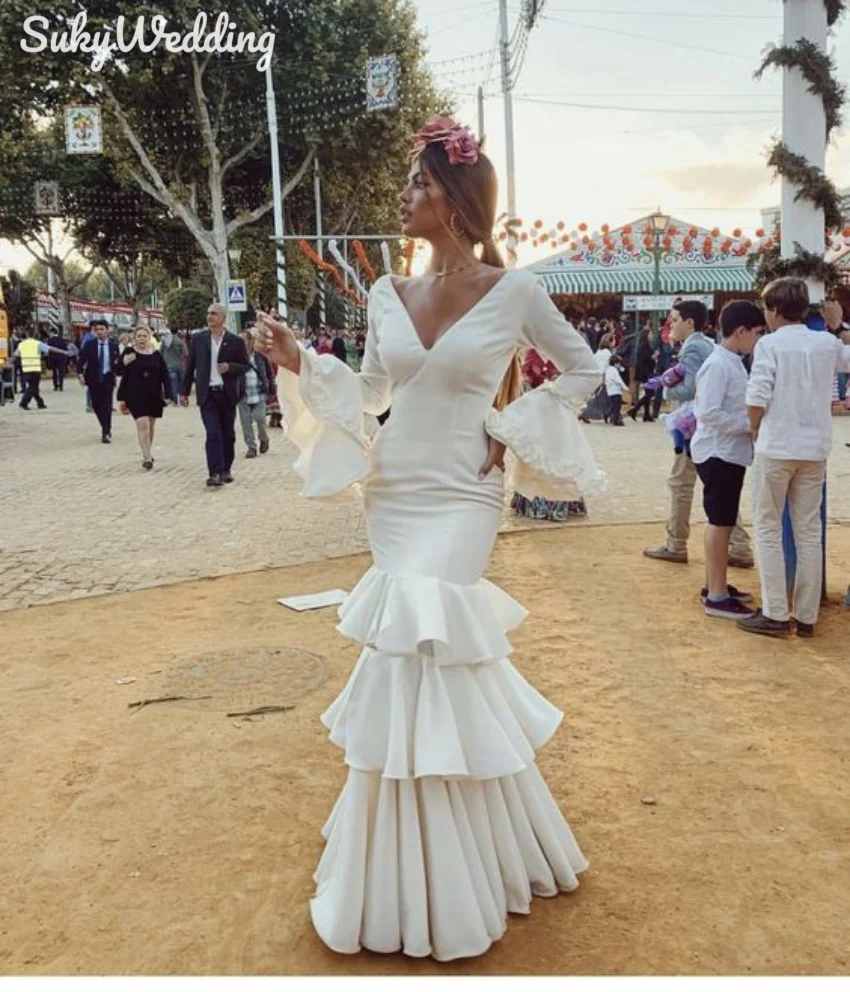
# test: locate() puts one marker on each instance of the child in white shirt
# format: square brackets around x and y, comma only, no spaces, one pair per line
[615,387]
[722,448]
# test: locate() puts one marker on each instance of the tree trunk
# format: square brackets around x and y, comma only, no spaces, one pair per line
[221,273]
[64,297]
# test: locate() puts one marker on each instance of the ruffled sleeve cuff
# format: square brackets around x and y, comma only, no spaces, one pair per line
[324,417]
[553,457]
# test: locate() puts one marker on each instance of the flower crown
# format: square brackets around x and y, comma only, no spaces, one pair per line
[459,143]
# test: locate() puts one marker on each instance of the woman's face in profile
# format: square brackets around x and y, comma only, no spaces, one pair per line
[423,204]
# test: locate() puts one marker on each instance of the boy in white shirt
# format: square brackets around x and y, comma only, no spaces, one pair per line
[722,448]
[788,399]
[615,387]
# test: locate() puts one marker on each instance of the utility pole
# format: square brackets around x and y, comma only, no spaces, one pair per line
[480,113]
[277,192]
[320,243]
[507,85]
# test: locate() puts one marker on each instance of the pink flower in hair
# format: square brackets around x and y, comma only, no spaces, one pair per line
[459,142]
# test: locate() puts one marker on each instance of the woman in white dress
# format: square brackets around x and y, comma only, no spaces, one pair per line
[445,825]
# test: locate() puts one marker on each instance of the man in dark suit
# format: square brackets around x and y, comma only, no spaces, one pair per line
[99,363]
[217,365]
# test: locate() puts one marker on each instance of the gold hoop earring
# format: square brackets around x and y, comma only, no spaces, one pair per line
[458,232]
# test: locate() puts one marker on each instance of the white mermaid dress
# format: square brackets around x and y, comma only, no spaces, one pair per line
[445,825]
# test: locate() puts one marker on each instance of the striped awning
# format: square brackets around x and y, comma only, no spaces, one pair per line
[675,279]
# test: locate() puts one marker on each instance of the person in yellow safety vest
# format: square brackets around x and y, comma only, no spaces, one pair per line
[30,351]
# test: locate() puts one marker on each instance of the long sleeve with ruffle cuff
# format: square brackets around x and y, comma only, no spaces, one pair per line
[541,428]
[324,417]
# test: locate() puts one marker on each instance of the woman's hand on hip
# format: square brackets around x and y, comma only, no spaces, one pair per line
[495,458]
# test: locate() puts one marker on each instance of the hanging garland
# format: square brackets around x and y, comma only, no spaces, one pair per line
[320,263]
[834,10]
[812,183]
[804,265]
[818,68]
[360,252]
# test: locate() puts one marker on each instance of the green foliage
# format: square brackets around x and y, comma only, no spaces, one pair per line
[319,64]
[20,295]
[834,10]
[819,70]
[813,184]
[186,309]
[803,265]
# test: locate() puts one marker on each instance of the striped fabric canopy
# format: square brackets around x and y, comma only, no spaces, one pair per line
[674,279]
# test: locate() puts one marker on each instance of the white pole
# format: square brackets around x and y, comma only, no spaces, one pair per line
[507,84]
[803,132]
[320,244]
[277,193]
[480,113]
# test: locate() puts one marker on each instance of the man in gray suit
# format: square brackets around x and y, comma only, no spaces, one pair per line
[687,320]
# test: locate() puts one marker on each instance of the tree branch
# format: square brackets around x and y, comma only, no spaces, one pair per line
[243,220]
[41,259]
[156,186]
[82,280]
[255,215]
[219,112]
[203,109]
[243,152]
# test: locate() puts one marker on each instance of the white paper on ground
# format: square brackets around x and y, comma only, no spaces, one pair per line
[315,601]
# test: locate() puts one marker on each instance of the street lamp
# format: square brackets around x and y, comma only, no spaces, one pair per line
[659,223]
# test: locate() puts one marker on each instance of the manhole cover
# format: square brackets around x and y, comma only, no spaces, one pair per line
[246,678]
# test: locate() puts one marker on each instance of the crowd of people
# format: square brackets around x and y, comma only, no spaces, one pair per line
[156,368]
[762,400]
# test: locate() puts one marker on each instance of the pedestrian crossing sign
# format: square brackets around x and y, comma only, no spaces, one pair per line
[237,299]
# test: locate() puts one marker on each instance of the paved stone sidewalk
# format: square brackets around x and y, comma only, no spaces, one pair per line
[84,519]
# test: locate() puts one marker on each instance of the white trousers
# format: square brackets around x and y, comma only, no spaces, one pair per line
[802,483]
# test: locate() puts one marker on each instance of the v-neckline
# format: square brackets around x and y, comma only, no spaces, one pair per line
[452,326]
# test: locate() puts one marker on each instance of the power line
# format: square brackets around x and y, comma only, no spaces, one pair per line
[663,13]
[644,37]
[696,111]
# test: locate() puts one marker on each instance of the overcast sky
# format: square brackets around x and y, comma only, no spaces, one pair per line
[670,113]
[650,102]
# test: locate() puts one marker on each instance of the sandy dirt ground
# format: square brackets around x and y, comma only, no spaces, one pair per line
[175,839]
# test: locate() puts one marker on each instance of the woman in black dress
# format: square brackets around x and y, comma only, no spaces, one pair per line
[145,388]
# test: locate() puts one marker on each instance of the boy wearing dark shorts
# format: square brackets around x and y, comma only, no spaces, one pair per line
[722,448]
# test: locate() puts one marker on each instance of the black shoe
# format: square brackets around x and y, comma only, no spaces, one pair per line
[42,406]
[251,453]
[264,446]
[21,405]
[728,609]
[804,629]
[148,465]
[731,592]
[106,439]
[214,481]
[226,477]
[633,414]
[760,624]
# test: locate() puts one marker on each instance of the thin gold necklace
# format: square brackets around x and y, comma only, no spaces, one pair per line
[451,272]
